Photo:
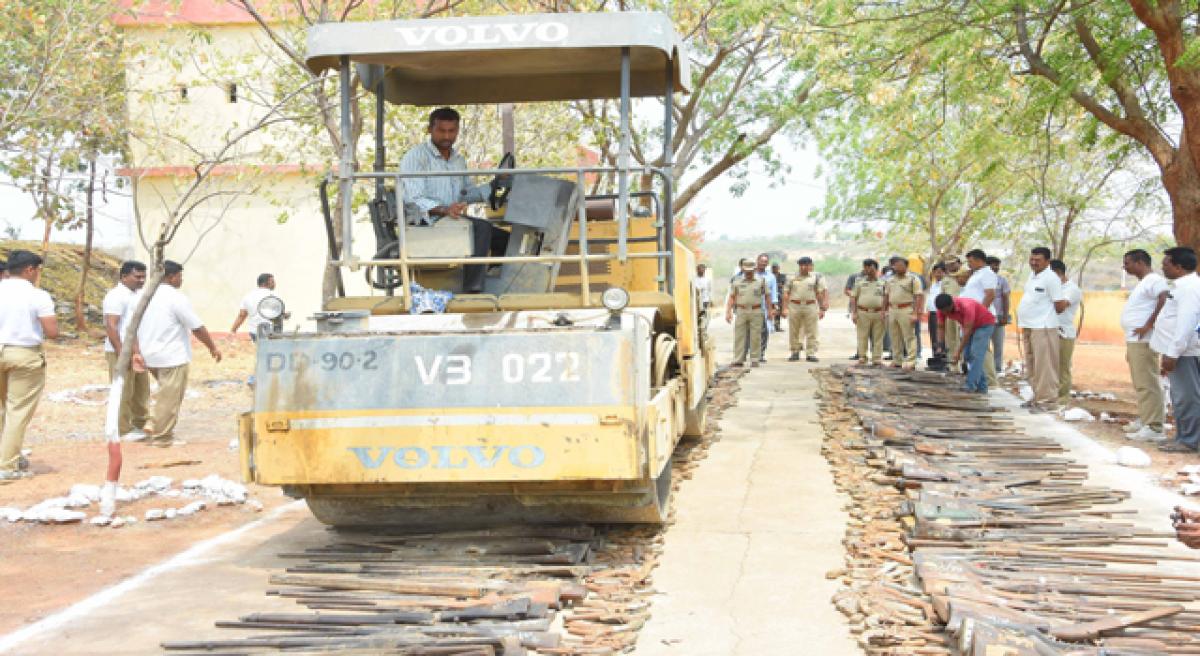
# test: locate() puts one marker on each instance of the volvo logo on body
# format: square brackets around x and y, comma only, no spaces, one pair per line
[525,456]
[483,35]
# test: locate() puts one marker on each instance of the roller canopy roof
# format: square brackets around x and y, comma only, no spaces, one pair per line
[494,59]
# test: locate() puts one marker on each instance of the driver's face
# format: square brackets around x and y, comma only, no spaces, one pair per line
[443,134]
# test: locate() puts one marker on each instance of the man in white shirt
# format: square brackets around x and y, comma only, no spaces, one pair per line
[164,348]
[428,200]
[248,312]
[26,321]
[981,287]
[1175,339]
[936,275]
[1000,310]
[703,285]
[1137,322]
[135,397]
[1067,330]
[1037,317]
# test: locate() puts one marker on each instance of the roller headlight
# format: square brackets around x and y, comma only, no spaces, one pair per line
[615,299]
[271,308]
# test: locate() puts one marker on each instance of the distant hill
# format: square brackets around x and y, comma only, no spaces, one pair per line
[60,277]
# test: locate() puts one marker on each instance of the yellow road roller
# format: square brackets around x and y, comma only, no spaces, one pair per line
[555,391]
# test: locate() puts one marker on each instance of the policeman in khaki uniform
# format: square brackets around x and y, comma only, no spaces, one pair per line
[807,298]
[905,300]
[26,321]
[952,285]
[866,311]
[749,295]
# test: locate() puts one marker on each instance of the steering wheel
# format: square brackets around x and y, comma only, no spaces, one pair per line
[502,184]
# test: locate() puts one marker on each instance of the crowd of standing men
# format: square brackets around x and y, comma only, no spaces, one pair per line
[968,309]
[161,350]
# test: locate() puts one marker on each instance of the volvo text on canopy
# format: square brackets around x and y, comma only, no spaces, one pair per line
[557,389]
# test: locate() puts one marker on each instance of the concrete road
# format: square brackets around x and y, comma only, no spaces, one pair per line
[759,525]
[743,569]
[178,599]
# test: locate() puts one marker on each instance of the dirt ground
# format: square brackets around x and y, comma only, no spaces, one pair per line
[1101,368]
[47,567]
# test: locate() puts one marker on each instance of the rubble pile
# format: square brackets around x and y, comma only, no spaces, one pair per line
[968,536]
[553,590]
[70,509]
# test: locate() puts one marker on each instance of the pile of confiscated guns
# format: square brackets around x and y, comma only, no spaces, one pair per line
[969,536]
[499,591]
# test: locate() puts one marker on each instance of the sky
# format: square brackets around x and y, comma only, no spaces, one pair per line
[765,209]
[112,226]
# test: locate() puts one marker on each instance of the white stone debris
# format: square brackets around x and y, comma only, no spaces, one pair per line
[1026,392]
[1098,396]
[90,395]
[193,508]
[155,484]
[1188,470]
[1077,414]
[1189,489]
[233,444]
[192,394]
[89,492]
[218,489]
[208,491]
[1107,418]
[255,505]
[1131,456]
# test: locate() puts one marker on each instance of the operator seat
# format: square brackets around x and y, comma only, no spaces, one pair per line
[540,210]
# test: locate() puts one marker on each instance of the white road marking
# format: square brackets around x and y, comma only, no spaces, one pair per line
[109,595]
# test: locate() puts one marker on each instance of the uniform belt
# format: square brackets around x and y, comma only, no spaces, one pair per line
[863,309]
[803,302]
[749,307]
[903,305]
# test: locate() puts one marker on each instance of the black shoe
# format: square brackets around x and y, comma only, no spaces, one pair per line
[737,363]
[812,358]
[794,357]
[888,357]
[762,360]
[855,357]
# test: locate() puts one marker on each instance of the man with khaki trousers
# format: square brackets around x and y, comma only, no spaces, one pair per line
[951,286]
[1037,316]
[748,296]
[905,302]
[26,320]
[866,311]
[1067,330]
[164,348]
[1137,321]
[805,300]
[135,398]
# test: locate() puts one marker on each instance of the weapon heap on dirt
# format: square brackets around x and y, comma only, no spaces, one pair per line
[508,590]
[969,536]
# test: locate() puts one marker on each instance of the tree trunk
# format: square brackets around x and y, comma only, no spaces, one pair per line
[1182,183]
[89,230]
[329,282]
